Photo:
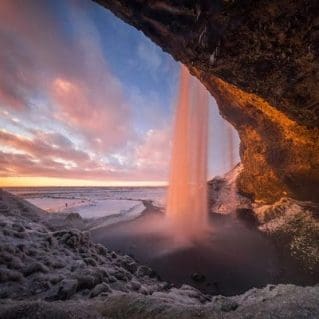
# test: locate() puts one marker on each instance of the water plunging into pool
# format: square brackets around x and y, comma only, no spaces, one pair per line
[187,194]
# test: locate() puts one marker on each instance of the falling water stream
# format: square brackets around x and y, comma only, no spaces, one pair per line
[187,194]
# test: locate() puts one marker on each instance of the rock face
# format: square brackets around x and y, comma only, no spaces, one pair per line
[295,225]
[277,302]
[260,60]
[224,197]
[292,225]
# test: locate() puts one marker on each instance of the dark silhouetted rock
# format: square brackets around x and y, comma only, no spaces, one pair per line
[247,215]
[9,275]
[63,290]
[135,285]
[100,288]
[73,217]
[198,277]
[34,268]
[143,271]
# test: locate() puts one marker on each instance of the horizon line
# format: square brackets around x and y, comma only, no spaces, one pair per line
[11,182]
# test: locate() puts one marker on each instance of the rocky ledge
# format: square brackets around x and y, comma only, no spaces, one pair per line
[41,262]
[292,224]
[295,226]
[224,196]
[56,273]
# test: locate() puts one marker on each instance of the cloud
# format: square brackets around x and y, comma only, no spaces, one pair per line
[15,64]
[41,146]
[150,156]
[153,153]
[66,68]
[25,165]
[74,117]
[103,119]
[54,155]
[48,154]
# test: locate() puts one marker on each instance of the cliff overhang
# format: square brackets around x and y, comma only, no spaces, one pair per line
[260,60]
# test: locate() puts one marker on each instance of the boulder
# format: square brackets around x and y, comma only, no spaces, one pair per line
[134,285]
[34,268]
[198,277]
[9,275]
[63,290]
[143,271]
[100,288]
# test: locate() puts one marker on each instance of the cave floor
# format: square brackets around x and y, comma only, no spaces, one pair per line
[233,256]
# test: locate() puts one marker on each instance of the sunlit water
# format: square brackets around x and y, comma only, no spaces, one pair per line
[187,193]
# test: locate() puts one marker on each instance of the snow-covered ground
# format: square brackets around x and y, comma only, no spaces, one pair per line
[82,279]
[223,193]
[93,202]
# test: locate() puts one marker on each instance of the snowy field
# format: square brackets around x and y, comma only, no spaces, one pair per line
[93,202]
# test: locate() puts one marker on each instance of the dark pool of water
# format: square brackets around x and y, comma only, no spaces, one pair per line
[233,256]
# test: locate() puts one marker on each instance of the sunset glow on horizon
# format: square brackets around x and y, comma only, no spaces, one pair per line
[7,182]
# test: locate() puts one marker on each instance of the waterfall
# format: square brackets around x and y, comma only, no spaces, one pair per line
[187,194]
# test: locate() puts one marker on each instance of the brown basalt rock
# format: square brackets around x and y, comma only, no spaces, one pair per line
[280,157]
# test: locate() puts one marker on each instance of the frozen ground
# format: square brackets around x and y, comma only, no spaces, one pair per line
[93,202]
[52,273]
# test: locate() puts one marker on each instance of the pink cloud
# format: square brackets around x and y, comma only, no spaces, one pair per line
[73,76]
[53,155]
[102,118]
[41,146]
[48,78]
[154,150]
[25,165]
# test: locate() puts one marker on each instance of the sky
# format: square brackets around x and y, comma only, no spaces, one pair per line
[86,99]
